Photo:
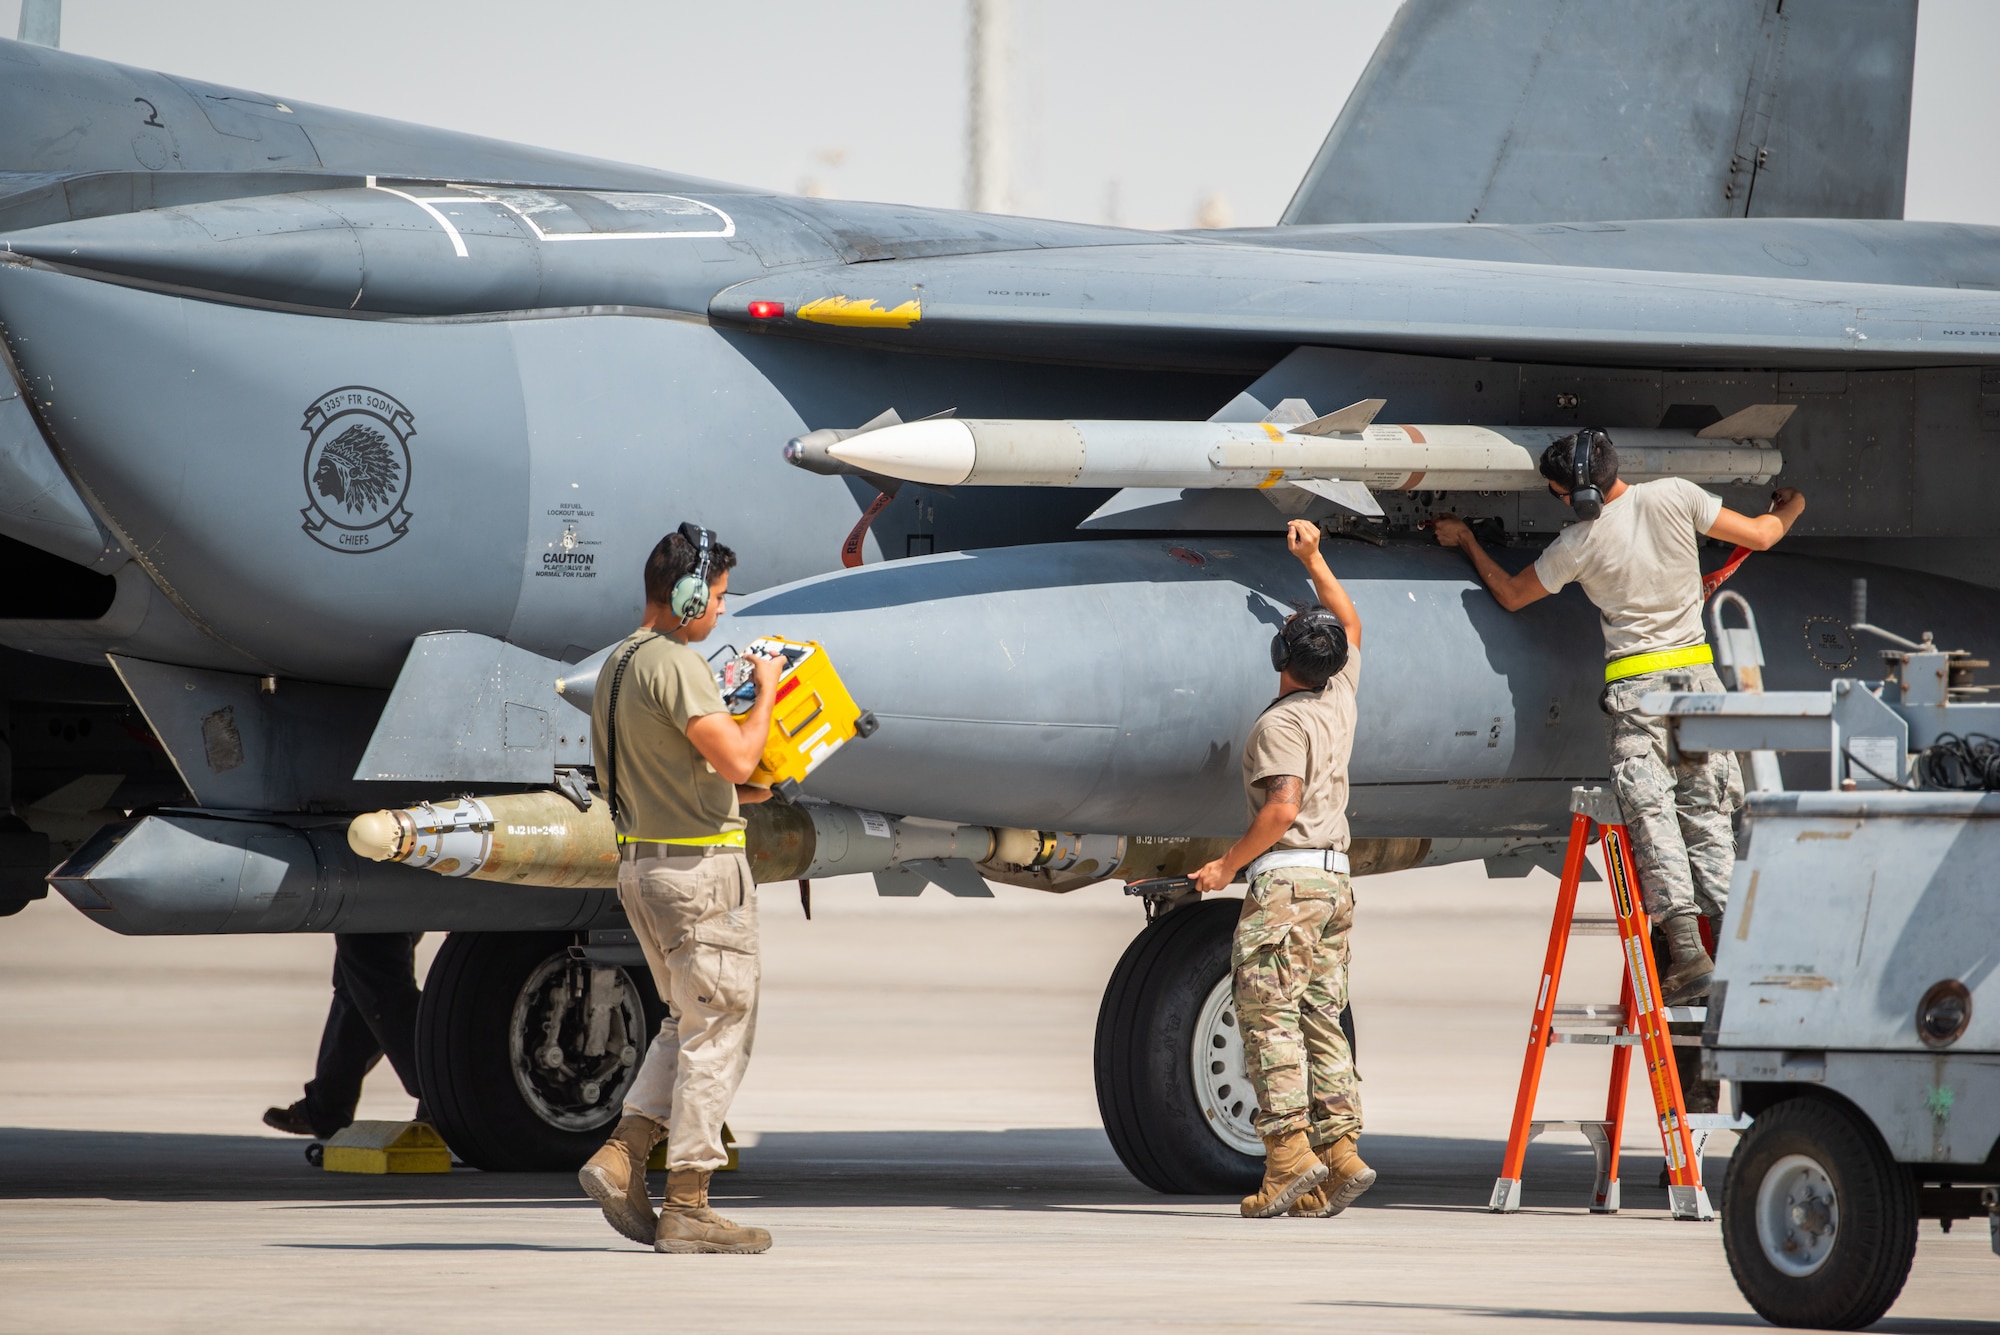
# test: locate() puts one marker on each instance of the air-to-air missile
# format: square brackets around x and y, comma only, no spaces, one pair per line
[1346,447]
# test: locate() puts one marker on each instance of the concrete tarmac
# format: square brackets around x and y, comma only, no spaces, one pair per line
[920,1134]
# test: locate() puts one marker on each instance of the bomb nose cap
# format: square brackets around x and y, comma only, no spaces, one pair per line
[376,835]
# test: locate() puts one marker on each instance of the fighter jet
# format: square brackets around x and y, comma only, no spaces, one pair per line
[330,448]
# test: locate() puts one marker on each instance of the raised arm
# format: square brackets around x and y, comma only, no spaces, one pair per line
[1302,540]
[1512,592]
[1760,533]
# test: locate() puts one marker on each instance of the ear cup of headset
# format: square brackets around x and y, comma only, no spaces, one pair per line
[1584,498]
[689,598]
[1307,622]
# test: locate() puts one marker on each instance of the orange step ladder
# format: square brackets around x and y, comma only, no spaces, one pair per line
[1638,1020]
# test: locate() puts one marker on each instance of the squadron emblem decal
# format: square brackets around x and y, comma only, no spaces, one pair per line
[357,469]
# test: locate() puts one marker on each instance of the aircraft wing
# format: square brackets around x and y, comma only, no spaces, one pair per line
[1218,304]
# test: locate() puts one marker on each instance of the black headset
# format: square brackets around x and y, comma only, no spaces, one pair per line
[1313,620]
[1584,497]
[690,596]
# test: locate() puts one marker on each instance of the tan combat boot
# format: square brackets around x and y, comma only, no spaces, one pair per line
[615,1177]
[1687,980]
[1290,1171]
[1346,1176]
[1312,1205]
[688,1225]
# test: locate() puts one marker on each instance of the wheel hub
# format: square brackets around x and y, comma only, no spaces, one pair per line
[1798,1215]
[575,1039]
[1221,1082]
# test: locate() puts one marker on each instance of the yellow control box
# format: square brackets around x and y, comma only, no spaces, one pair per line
[813,717]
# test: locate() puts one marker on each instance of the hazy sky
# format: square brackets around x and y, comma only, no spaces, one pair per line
[1117,117]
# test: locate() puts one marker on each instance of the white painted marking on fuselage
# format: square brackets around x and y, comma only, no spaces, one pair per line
[457,241]
[484,193]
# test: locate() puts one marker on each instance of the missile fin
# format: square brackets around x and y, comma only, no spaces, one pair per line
[1760,421]
[1347,495]
[955,876]
[899,883]
[1290,501]
[1290,412]
[887,417]
[1355,417]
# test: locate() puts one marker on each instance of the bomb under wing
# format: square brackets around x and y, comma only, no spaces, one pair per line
[545,839]
[975,452]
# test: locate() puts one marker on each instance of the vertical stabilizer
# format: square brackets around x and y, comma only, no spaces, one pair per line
[1517,111]
[41,22]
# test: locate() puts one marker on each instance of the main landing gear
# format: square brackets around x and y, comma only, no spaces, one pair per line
[1170,1079]
[525,1051]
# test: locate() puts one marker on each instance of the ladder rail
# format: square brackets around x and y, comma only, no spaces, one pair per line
[1685,1194]
[1519,1133]
[1642,1023]
[1604,1198]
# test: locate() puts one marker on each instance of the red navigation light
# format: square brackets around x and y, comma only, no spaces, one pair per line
[767,310]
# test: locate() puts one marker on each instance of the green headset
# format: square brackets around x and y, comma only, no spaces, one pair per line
[689,598]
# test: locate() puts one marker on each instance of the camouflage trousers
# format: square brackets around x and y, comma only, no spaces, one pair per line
[1679,814]
[1289,961]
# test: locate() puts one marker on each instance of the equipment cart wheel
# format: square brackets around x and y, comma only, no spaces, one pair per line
[1169,1060]
[1818,1222]
[525,1052]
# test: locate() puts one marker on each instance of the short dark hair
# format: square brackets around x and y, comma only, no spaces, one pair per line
[1318,643]
[673,559]
[1559,462]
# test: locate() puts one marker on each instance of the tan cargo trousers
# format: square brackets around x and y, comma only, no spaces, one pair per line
[695,913]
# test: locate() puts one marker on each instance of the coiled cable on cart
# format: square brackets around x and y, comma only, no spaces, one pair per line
[1969,763]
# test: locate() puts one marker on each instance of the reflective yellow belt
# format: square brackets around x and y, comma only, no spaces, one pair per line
[1631,666]
[723,839]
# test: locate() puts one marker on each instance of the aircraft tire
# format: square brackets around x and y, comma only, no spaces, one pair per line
[1144,1062]
[466,1058]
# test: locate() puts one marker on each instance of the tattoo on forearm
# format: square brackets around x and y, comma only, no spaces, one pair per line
[1287,788]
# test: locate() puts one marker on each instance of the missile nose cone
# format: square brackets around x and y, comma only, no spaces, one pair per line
[939,453]
[810,451]
[377,836]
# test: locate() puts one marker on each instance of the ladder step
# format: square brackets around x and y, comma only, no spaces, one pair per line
[1603,1040]
[1593,926]
[1610,1012]
[1588,1012]
[1537,1128]
[1718,1121]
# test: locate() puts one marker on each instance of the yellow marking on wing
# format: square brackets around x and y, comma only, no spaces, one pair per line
[1272,478]
[864,313]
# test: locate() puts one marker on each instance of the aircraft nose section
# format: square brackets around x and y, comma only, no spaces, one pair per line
[295,255]
[374,249]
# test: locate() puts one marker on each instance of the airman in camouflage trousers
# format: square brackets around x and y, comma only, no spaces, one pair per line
[1290,969]
[1679,814]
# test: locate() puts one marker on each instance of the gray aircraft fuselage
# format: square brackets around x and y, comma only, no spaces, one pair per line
[304,385]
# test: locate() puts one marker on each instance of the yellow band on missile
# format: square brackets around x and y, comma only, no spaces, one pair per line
[865,313]
[1634,664]
[721,839]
